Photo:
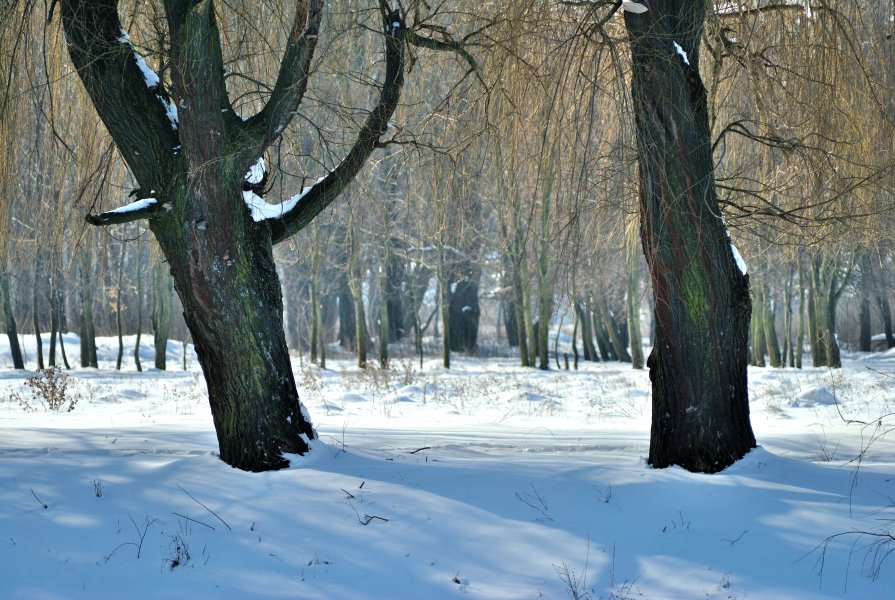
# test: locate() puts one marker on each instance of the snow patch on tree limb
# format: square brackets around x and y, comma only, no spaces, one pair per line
[139,205]
[262,210]
[152,80]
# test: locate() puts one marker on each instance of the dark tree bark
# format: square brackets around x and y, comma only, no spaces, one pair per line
[221,259]
[698,365]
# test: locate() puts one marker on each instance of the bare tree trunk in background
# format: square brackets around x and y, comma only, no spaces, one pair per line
[139,275]
[162,292]
[800,337]
[632,296]
[882,302]
[356,284]
[35,314]
[118,293]
[87,331]
[865,333]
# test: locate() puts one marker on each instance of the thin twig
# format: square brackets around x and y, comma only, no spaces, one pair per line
[194,520]
[205,507]
[42,503]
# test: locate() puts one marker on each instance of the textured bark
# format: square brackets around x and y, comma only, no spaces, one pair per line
[698,365]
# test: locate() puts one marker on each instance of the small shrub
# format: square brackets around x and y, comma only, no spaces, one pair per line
[49,388]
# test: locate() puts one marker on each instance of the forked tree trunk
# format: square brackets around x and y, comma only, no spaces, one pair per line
[700,417]
[232,279]
[194,166]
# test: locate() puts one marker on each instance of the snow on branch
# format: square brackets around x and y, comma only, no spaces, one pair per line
[153,81]
[262,210]
[140,209]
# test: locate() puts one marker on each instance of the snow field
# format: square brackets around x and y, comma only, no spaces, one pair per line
[485,481]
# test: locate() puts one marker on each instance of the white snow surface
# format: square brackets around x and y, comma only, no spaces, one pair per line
[141,204]
[486,481]
[256,171]
[633,7]
[741,264]
[681,52]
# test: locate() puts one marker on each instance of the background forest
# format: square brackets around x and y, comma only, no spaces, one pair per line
[467,315]
[502,203]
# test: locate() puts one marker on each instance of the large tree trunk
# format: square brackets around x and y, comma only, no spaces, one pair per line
[698,365]
[193,164]
[232,279]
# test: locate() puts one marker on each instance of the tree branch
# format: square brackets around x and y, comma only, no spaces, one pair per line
[292,81]
[129,102]
[141,209]
[324,192]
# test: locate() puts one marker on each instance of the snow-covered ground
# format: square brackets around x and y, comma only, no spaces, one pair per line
[485,481]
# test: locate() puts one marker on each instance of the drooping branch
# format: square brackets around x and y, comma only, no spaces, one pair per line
[292,81]
[127,99]
[325,191]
